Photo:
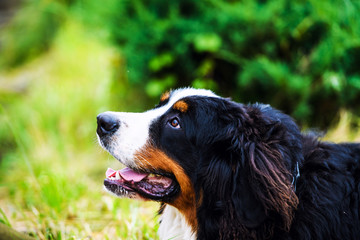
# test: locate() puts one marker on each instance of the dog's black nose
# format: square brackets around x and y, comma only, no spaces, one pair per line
[107,124]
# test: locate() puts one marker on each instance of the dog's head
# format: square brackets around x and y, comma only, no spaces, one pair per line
[208,156]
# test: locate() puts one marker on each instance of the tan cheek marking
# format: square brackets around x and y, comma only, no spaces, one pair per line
[165,96]
[153,158]
[181,106]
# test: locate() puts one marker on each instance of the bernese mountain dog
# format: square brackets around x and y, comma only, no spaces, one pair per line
[226,170]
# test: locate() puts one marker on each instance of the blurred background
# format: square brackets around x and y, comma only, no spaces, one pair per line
[64,61]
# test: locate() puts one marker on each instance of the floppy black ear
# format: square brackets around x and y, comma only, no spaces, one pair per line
[250,171]
[227,202]
[270,146]
[249,210]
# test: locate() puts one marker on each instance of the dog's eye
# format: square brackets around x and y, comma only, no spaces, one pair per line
[174,123]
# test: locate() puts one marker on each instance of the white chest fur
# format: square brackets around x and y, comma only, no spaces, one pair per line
[174,226]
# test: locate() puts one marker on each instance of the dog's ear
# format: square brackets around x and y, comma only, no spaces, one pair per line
[270,182]
[269,144]
[247,171]
[259,147]
[248,208]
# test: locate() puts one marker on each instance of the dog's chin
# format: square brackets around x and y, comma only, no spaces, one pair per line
[142,185]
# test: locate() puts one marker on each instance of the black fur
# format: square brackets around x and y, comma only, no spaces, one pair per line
[242,160]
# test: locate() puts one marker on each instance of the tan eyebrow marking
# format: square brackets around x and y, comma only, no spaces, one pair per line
[165,96]
[181,105]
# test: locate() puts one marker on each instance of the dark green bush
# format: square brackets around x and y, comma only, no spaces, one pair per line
[302,57]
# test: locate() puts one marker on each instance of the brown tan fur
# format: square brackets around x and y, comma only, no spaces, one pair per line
[165,96]
[153,158]
[181,105]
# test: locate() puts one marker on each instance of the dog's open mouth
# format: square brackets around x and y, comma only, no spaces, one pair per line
[127,182]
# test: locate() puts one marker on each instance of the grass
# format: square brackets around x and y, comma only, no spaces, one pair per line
[51,167]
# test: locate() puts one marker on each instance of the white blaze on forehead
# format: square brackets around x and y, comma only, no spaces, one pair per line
[186,92]
[133,133]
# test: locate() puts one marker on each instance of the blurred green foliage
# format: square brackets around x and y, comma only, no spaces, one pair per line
[302,57]
[51,166]
[32,30]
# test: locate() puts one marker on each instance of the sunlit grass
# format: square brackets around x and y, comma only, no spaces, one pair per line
[343,131]
[51,179]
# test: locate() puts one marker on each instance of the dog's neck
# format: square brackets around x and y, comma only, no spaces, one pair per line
[173,225]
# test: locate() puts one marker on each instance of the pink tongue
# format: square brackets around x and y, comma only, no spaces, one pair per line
[127,174]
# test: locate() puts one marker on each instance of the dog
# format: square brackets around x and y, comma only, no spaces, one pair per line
[226,170]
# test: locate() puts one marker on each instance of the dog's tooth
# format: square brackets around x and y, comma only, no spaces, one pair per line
[117,176]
